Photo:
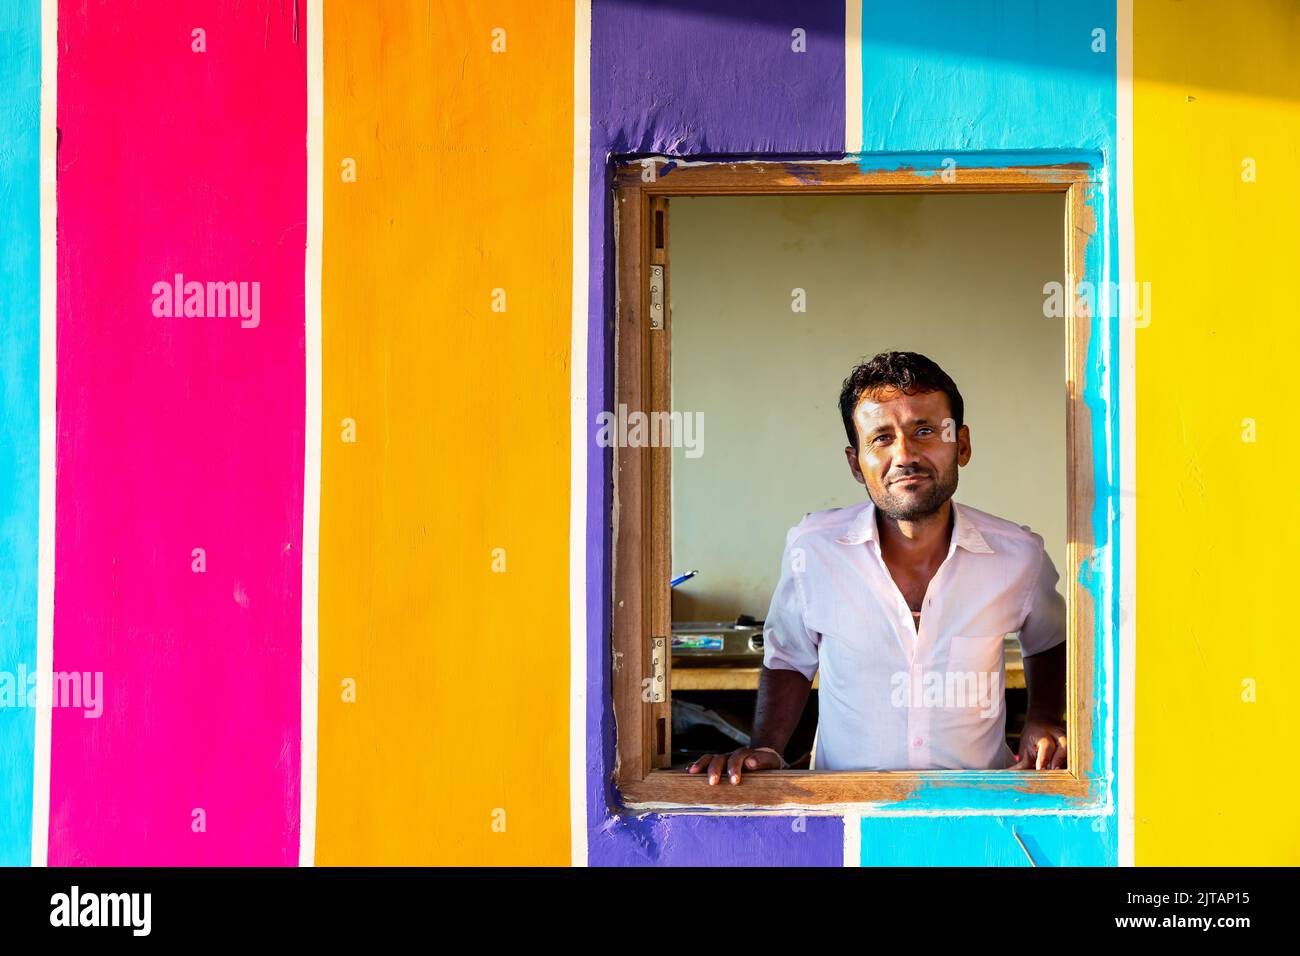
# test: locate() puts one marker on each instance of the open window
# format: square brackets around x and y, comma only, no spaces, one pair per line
[787,275]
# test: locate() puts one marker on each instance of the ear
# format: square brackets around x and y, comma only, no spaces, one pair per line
[963,445]
[851,454]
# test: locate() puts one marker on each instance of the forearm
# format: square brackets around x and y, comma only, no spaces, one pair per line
[1045,683]
[782,695]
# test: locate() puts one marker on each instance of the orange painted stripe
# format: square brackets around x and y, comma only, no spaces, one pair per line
[455,750]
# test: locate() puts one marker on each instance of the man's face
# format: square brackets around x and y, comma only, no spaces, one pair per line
[909,450]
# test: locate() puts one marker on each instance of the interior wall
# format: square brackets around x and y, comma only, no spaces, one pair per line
[958,278]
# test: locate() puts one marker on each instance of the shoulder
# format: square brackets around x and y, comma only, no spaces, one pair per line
[1004,535]
[828,524]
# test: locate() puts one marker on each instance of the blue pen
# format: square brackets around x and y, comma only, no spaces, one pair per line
[680,578]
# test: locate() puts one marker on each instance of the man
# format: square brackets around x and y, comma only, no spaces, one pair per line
[902,604]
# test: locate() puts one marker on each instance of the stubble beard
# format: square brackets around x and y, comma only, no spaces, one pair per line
[913,507]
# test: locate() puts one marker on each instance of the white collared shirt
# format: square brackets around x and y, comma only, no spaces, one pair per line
[891,698]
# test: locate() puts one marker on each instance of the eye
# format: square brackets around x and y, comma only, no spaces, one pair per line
[924,430]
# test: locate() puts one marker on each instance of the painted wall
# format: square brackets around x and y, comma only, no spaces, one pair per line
[444,525]
[20,89]
[1004,84]
[479,171]
[958,278]
[1217,658]
[715,78]
[179,433]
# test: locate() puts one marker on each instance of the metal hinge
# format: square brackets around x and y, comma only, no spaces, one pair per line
[656,297]
[658,670]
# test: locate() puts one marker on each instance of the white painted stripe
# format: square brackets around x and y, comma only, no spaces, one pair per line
[1127,429]
[312,435]
[578,437]
[852,839]
[852,76]
[48,369]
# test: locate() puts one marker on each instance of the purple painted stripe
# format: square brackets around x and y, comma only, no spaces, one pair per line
[703,78]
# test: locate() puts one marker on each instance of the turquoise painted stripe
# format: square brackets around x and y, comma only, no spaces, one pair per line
[1012,82]
[1009,75]
[989,841]
[20,343]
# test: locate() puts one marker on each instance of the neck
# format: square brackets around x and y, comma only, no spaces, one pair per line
[917,538]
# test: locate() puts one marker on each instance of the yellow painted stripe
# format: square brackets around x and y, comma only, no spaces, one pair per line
[1215,86]
[456,750]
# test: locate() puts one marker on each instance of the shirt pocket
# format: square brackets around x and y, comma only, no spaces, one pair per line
[974,672]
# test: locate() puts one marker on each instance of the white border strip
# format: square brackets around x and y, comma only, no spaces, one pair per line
[1127,428]
[578,436]
[852,76]
[852,839]
[312,432]
[48,433]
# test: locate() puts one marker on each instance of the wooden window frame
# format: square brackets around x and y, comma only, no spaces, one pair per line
[641,518]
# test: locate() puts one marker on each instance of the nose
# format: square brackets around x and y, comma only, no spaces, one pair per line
[905,452]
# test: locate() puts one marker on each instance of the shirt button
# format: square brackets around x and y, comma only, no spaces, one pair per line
[917,742]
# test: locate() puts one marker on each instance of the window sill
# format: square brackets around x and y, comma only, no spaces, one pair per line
[676,790]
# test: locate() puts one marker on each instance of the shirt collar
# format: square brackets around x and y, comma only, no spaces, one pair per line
[964,535]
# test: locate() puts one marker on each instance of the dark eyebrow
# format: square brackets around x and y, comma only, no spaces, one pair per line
[884,428]
[879,429]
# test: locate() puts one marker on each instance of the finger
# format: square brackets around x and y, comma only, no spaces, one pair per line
[762,760]
[1061,758]
[702,764]
[734,763]
[1045,750]
[699,764]
[716,766]
[1022,760]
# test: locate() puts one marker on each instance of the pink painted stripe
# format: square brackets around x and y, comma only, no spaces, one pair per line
[179,433]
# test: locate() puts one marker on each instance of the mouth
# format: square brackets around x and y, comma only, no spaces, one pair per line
[911,479]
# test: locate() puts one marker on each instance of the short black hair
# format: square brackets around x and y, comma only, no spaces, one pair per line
[909,372]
